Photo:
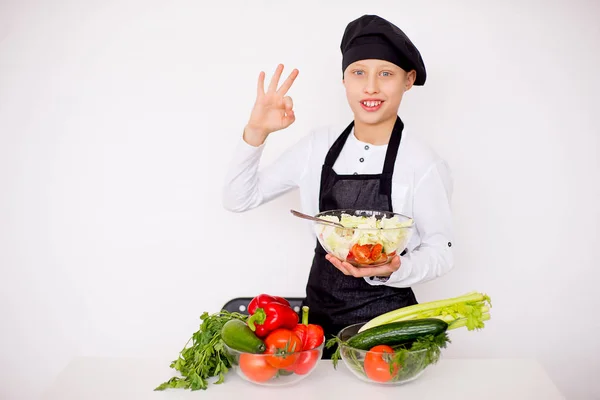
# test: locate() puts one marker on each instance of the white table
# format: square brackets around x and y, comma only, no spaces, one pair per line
[131,379]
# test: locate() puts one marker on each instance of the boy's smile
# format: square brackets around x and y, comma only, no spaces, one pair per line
[371,104]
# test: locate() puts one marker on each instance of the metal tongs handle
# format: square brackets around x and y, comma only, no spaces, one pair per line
[324,221]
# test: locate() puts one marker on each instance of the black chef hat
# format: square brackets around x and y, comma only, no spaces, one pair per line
[373,37]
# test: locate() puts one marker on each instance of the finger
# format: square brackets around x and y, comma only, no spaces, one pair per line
[275,78]
[333,260]
[355,272]
[288,119]
[288,103]
[385,269]
[337,263]
[289,116]
[395,263]
[344,271]
[260,87]
[288,82]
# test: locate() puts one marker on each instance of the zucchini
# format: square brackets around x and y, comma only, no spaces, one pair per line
[237,335]
[396,333]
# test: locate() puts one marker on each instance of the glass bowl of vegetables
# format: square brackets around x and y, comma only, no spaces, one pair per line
[388,364]
[369,238]
[272,347]
[277,367]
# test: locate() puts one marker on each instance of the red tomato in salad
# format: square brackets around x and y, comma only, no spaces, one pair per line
[376,252]
[377,363]
[256,368]
[361,254]
[284,346]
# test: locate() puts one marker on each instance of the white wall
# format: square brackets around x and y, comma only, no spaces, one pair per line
[116,120]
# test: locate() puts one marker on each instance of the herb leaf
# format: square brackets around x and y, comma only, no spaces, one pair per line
[205,357]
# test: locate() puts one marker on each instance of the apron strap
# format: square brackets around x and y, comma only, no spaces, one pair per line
[390,159]
[393,146]
[337,146]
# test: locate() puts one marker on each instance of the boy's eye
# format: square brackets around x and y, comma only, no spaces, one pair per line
[359,72]
[386,73]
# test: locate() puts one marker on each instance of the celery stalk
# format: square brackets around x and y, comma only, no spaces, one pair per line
[443,316]
[470,306]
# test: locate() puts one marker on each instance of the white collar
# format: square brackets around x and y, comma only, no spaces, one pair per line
[358,143]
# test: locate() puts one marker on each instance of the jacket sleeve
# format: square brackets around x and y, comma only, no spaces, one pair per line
[432,257]
[246,187]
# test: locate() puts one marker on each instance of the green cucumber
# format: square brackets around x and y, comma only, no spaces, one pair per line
[395,333]
[237,335]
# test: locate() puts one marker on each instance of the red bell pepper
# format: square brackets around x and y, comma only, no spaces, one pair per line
[268,314]
[311,336]
[262,300]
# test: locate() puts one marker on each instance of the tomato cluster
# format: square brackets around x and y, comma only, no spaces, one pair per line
[368,253]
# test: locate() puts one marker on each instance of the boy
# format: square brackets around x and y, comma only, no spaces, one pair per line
[373,164]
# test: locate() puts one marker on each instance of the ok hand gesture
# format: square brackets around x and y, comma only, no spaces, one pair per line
[273,110]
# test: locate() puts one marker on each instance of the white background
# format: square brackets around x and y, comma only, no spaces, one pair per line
[116,123]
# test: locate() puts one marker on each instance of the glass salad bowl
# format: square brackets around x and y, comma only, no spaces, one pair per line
[382,364]
[269,369]
[368,239]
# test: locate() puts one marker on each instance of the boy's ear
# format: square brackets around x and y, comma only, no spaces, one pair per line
[411,76]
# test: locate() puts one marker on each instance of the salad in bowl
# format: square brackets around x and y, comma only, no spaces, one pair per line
[368,238]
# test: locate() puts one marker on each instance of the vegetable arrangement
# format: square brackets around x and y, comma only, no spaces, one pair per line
[368,241]
[269,342]
[397,346]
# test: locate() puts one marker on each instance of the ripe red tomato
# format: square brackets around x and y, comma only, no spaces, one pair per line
[283,344]
[256,368]
[377,365]
[362,254]
[376,252]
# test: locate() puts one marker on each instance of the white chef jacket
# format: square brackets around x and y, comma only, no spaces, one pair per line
[421,188]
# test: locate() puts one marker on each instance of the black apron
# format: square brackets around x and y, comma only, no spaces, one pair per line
[334,299]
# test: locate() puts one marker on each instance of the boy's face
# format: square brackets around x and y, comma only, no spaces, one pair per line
[374,89]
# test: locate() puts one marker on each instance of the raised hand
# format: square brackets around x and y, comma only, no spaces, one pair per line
[273,110]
